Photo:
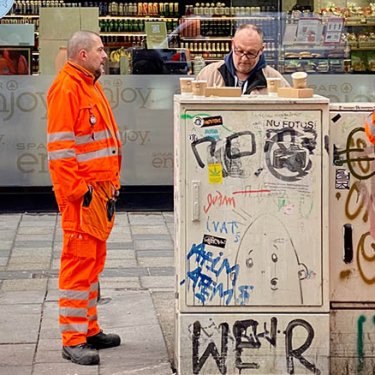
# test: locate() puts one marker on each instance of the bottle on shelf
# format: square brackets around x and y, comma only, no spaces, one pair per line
[198,64]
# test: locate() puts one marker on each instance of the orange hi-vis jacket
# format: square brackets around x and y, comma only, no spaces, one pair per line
[84,146]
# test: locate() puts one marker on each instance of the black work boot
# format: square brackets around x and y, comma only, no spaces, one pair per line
[103,340]
[81,354]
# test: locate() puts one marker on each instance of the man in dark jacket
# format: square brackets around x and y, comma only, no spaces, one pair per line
[245,66]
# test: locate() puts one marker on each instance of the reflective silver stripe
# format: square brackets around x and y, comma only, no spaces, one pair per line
[118,135]
[92,303]
[81,140]
[94,287]
[60,136]
[96,154]
[94,317]
[62,154]
[96,136]
[76,327]
[73,311]
[74,294]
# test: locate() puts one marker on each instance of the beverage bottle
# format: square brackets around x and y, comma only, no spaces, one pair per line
[114,8]
[127,25]
[121,9]
[203,28]
[111,26]
[155,9]
[122,26]
[198,64]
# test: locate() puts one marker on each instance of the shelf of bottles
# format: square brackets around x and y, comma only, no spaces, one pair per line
[128,31]
[139,9]
[106,8]
[209,50]
[198,27]
[19,19]
[125,24]
[220,9]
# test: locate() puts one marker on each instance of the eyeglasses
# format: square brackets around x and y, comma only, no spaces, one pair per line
[247,55]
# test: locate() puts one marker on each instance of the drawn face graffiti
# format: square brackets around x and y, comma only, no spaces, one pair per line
[269,260]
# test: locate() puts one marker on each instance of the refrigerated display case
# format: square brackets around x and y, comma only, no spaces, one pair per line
[351,241]
[250,178]
[314,44]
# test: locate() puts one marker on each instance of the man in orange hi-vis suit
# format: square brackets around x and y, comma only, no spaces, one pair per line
[84,157]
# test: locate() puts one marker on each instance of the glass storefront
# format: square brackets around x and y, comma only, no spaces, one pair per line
[334,47]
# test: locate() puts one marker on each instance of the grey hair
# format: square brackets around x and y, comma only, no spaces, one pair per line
[80,40]
[248,26]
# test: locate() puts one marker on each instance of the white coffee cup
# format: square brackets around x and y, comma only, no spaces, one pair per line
[299,80]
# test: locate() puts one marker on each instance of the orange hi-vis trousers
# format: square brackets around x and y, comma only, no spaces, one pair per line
[82,260]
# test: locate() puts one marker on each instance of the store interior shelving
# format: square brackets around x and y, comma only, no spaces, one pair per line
[206,29]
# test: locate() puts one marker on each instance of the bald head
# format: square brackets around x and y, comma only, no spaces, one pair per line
[249,30]
[247,47]
[86,49]
[80,40]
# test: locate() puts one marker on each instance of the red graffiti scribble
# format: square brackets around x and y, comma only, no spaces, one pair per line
[220,200]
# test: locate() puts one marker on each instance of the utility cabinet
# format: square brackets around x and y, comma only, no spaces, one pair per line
[351,238]
[251,219]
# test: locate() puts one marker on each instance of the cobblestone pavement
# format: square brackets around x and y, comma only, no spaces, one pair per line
[137,288]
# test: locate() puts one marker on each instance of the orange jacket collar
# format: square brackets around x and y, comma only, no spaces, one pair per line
[86,75]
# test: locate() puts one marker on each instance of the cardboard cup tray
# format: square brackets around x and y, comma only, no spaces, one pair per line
[290,92]
[223,91]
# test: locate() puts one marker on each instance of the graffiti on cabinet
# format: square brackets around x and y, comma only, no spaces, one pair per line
[360,349]
[227,152]
[263,267]
[364,349]
[227,227]
[268,256]
[205,278]
[287,152]
[218,200]
[342,180]
[358,155]
[247,336]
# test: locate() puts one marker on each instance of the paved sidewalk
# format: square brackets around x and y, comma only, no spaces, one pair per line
[137,288]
